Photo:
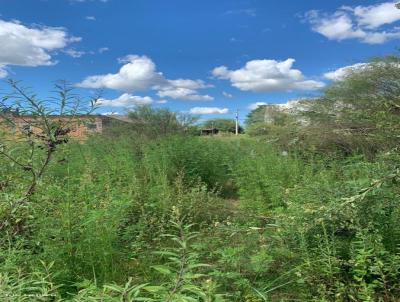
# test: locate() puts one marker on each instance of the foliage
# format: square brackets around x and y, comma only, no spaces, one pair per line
[158,122]
[39,136]
[152,216]
[223,125]
[357,114]
[268,114]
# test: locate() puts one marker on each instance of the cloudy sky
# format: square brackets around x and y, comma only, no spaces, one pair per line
[206,57]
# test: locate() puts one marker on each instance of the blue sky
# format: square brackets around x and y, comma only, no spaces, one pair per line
[207,57]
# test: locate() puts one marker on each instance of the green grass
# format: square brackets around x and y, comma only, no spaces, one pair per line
[115,220]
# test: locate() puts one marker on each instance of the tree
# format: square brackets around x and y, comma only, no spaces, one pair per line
[158,122]
[223,125]
[357,113]
[279,124]
[268,114]
[361,111]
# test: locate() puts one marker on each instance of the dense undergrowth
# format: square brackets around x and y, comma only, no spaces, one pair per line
[203,219]
[303,209]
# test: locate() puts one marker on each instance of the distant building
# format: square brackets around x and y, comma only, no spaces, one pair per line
[209,131]
[80,126]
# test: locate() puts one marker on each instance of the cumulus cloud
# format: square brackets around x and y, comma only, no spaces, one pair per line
[374,16]
[338,26]
[30,46]
[180,93]
[189,84]
[126,100]
[361,22]
[267,76]
[342,72]
[208,110]
[139,73]
[183,89]
[90,18]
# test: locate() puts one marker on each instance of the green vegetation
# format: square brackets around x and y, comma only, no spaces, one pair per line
[223,125]
[305,207]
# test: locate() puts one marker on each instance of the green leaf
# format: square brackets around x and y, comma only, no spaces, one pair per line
[162,269]
[155,288]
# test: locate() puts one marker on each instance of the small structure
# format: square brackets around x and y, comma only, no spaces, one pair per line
[209,131]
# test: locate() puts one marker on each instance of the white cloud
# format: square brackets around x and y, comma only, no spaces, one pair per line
[180,93]
[374,16]
[360,22]
[30,46]
[126,100]
[183,89]
[246,11]
[74,53]
[381,37]
[90,18]
[266,76]
[208,110]
[342,72]
[139,73]
[226,94]
[338,26]
[256,105]
[189,84]
[79,53]
[162,102]
[103,49]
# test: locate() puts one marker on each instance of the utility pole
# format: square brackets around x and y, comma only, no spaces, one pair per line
[237,122]
[265,114]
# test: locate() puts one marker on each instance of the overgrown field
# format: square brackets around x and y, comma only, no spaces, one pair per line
[303,207]
[201,219]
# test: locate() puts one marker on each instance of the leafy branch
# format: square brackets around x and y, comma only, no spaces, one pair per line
[35,132]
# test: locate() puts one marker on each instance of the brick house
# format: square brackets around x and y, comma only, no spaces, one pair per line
[81,126]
